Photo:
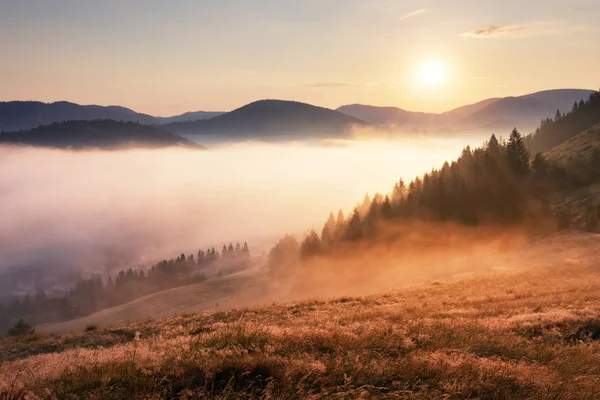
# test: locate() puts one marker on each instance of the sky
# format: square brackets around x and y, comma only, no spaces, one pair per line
[168,57]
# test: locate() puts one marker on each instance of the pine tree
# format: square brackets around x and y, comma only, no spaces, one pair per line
[311,245]
[493,147]
[354,230]
[340,225]
[517,154]
[386,208]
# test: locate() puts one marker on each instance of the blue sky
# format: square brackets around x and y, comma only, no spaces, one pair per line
[166,57]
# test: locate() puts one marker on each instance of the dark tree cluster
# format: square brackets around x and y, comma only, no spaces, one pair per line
[93,294]
[554,131]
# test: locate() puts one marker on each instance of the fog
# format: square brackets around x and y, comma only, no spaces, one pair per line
[95,210]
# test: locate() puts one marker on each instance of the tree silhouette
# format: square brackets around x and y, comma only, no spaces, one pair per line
[21,328]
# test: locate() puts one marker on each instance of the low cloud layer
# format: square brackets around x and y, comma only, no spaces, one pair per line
[99,210]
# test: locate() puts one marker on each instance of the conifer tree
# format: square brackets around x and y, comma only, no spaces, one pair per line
[354,231]
[517,154]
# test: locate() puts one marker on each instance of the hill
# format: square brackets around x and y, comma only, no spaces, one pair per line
[102,134]
[270,119]
[24,115]
[524,333]
[524,112]
[555,131]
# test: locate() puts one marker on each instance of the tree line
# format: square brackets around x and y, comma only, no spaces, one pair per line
[93,293]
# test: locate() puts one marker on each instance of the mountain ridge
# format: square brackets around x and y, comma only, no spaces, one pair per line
[524,111]
[100,134]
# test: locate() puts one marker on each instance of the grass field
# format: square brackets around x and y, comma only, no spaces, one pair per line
[529,332]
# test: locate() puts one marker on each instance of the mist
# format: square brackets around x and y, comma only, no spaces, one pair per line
[101,210]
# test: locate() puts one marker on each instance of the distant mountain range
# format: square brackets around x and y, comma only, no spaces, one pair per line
[278,119]
[23,115]
[524,112]
[98,134]
[273,118]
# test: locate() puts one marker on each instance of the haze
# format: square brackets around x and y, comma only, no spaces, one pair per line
[79,209]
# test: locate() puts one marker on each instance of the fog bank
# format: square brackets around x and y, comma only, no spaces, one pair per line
[97,210]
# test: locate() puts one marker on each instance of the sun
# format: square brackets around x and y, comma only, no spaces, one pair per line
[432,73]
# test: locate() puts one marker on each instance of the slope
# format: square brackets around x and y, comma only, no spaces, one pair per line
[531,333]
[214,294]
[525,111]
[581,146]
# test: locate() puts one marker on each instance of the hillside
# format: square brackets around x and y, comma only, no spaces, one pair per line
[216,294]
[101,134]
[388,115]
[519,333]
[581,146]
[524,112]
[270,119]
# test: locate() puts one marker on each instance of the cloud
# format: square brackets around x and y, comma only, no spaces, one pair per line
[413,13]
[514,31]
[496,31]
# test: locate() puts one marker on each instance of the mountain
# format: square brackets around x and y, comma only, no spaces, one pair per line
[524,112]
[387,115]
[464,111]
[190,116]
[554,131]
[103,134]
[269,118]
[23,115]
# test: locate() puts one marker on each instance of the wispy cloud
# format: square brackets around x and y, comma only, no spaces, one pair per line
[413,13]
[511,31]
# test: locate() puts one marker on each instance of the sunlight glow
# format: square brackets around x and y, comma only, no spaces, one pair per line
[432,73]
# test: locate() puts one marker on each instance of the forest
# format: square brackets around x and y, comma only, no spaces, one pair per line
[92,294]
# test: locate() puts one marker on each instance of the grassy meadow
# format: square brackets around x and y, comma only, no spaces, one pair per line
[521,333]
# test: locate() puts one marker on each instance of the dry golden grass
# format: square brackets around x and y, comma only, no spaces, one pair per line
[529,333]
